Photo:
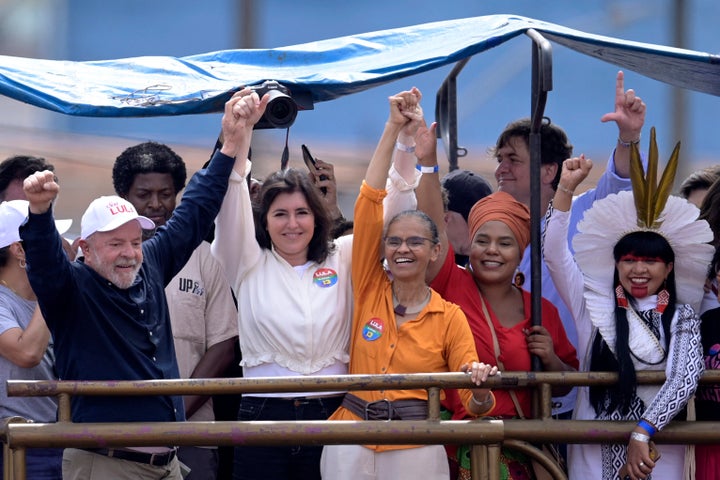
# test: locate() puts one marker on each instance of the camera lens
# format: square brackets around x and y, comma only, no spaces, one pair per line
[281,110]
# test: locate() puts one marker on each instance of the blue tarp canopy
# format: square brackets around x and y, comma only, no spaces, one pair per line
[323,70]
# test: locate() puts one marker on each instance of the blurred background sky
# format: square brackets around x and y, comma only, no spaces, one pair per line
[493,89]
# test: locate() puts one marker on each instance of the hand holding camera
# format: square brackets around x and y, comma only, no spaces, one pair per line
[281,109]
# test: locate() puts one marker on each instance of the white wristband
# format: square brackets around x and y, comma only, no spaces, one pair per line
[424,169]
[640,437]
[405,148]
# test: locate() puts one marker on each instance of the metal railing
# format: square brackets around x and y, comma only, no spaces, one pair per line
[486,435]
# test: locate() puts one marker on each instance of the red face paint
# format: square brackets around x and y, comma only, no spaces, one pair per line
[642,276]
[635,258]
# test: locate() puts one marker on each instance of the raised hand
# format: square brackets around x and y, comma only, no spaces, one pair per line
[41,190]
[322,175]
[416,118]
[405,107]
[426,142]
[629,114]
[242,112]
[574,171]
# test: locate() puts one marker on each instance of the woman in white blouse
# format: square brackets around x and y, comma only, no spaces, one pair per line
[292,282]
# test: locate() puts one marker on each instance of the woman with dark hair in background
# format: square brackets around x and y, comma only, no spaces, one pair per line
[707,401]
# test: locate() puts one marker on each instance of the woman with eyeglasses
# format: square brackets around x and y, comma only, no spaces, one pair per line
[399,324]
[498,312]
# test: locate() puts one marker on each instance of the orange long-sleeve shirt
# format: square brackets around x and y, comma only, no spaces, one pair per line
[438,340]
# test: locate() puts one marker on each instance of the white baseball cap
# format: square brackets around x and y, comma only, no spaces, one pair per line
[108,213]
[12,214]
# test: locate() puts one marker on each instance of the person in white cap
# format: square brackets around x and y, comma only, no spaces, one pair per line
[150,175]
[108,313]
[25,341]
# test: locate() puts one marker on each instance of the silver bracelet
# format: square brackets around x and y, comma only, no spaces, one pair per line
[566,190]
[640,437]
[485,402]
[628,144]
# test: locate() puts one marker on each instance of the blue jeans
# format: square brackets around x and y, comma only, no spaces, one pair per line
[42,463]
[300,462]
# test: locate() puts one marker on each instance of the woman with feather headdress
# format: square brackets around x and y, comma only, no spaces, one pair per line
[634,287]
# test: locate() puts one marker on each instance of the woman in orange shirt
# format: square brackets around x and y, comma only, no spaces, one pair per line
[400,325]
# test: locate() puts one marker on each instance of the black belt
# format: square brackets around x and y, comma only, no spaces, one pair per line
[414,409]
[155,459]
[297,401]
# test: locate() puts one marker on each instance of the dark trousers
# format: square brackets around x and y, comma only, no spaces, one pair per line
[300,462]
[42,463]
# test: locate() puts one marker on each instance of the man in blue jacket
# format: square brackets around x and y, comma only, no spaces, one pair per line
[107,312]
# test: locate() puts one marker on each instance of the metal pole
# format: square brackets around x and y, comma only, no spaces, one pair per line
[247,23]
[446,116]
[679,109]
[541,84]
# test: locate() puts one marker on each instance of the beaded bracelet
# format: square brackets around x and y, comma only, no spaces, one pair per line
[640,437]
[645,425]
[627,144]
[405,148]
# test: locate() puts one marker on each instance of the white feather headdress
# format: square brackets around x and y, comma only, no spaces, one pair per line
[648,207]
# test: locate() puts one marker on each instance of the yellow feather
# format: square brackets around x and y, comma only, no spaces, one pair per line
[651,198]
[666,183]
[637,179]
[651,183]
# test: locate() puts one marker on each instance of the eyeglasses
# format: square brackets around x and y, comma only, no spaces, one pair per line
[412,242]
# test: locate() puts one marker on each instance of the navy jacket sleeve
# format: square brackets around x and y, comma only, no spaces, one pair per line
[48,268]
[173,244]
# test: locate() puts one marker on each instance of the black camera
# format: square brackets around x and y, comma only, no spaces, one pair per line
[281,109]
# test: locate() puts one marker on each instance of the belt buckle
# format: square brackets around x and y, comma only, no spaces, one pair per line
[152,458]
[372,404]
[163,458]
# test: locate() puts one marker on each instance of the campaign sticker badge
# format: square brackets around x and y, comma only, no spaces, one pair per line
[373,329]
[325,277]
